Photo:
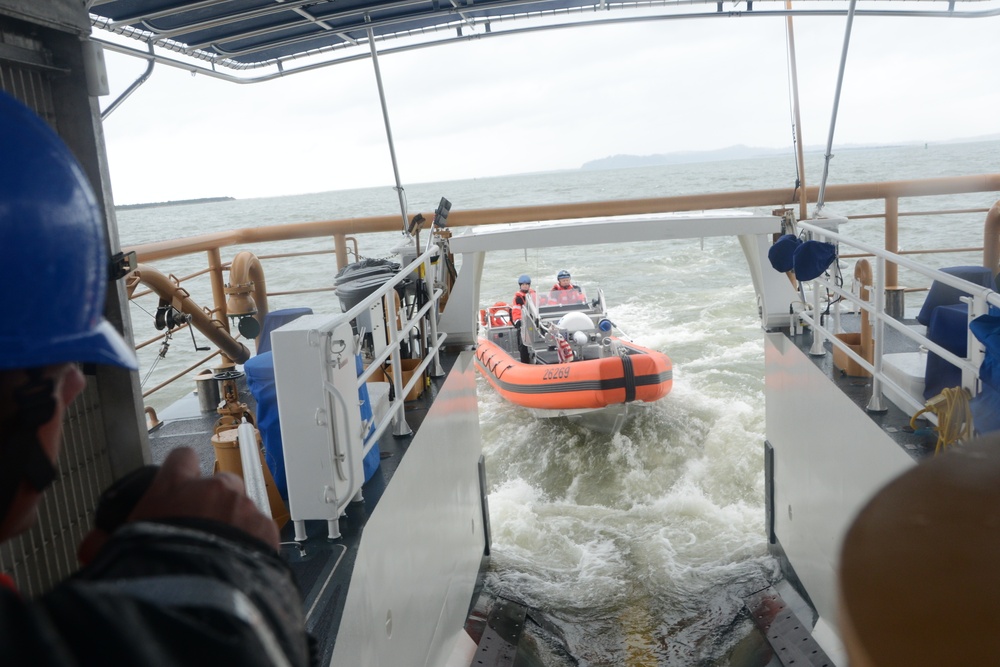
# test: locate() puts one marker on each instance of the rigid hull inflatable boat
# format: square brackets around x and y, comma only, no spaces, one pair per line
[560,360]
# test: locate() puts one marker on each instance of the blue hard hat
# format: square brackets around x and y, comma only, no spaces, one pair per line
[53,258]
[524,278]
[562,274]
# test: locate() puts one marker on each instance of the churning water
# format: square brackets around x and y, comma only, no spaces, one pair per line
[633,549]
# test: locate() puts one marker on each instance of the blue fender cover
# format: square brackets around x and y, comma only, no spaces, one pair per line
[812,258]
[986,406]
[780,254]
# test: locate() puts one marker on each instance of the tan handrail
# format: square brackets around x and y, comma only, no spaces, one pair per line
[214,325]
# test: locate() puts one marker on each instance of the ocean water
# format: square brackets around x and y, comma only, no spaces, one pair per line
[633,549]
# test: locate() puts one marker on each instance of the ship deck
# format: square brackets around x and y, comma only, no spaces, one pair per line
[919,443]
[322,567]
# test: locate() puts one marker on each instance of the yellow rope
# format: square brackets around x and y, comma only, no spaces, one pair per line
[954,417]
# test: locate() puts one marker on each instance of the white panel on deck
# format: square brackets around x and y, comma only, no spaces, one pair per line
[316,379]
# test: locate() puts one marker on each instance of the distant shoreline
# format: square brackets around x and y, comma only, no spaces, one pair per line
[177,202]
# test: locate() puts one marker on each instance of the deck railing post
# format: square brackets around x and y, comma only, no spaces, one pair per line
[434,370]
[399,425]
[876,403]
[340,247]
[892,239]
[977,306]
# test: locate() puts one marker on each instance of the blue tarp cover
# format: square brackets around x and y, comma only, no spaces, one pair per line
[812,258]
[780,254]
[260,379]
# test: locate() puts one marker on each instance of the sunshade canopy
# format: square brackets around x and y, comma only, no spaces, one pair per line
[229,38]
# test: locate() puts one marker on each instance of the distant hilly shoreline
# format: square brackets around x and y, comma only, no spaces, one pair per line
[741,152]
[624,161]
[176,202]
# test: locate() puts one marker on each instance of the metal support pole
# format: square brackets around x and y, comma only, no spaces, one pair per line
[132,88]
[435,369]
[800,151]
[876,403]
[836,105]
[892,239]
[388,127]
[976,353]
[816,349]
[340,246]
[399,425]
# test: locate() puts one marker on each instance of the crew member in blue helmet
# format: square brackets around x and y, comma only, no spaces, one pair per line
[524,291]
[564,291]
[521,296]
[187,575]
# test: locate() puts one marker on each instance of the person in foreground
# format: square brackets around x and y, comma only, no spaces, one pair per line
[918,581]
[191,575]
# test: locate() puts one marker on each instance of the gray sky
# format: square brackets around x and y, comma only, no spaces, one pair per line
[549,101]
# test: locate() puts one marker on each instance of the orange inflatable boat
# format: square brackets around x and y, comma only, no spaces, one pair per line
[561,360]
[634,374]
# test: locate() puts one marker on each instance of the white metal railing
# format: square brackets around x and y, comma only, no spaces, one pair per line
[396,329]
[979,299]
[326,471]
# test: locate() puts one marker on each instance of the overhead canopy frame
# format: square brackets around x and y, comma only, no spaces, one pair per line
[256,40]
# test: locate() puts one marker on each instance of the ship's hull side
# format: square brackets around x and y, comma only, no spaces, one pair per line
[829,458]
[422,548]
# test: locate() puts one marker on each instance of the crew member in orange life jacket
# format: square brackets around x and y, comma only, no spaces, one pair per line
[564,291]
[525,291]
[518,302]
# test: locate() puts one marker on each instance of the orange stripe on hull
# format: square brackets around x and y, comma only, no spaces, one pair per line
[645,376]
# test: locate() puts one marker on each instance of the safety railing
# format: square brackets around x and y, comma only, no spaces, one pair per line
[979,300]
[396,330]
[319,379]
[882,202]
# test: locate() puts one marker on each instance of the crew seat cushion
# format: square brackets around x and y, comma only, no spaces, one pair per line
[945,295]
[947,328]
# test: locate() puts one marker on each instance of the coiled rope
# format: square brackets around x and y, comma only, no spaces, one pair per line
[954,417]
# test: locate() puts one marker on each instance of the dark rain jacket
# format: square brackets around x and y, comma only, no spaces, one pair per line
[163,594]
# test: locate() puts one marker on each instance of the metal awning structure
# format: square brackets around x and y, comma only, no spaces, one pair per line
[254,40]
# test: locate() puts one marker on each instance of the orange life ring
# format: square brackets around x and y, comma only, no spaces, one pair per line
[500,315]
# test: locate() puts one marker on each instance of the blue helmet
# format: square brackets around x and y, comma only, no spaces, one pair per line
[54,259]
[562,274]
[524,278]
